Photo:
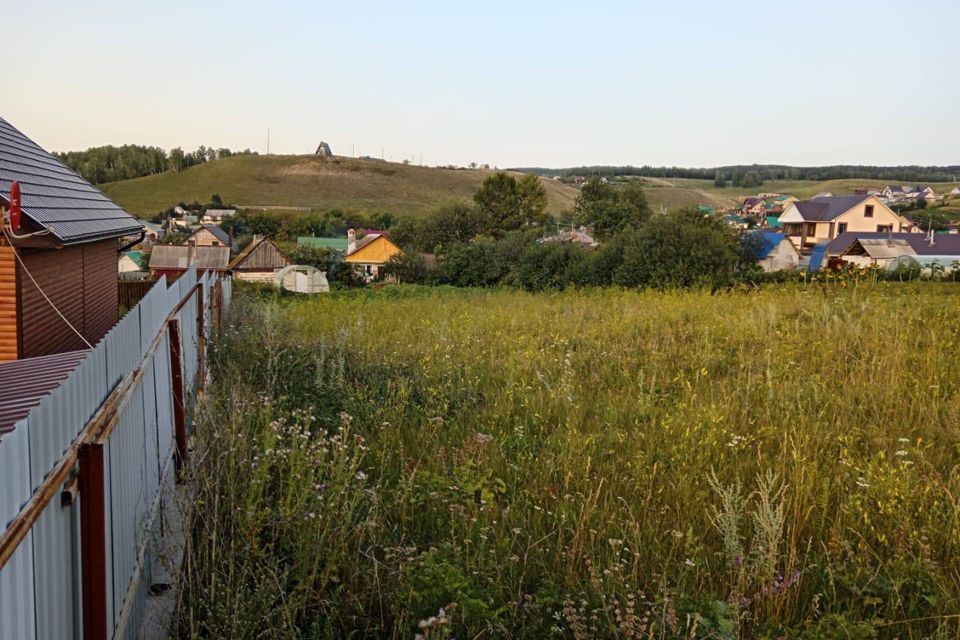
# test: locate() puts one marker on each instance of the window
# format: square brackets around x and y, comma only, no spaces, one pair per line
[884,228]
[868,211]
[842,227]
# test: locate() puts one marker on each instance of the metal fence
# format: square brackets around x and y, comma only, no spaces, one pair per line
[83,476]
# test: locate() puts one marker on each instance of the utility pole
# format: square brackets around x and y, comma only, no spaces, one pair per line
[268,140]
[382,156]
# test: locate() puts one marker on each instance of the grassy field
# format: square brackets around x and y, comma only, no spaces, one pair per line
[355,186]
[589,464]
[687,188]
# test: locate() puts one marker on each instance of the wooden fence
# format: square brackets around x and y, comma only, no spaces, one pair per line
[132,291]
[85,474]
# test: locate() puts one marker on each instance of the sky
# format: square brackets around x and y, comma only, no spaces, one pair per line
[505,83]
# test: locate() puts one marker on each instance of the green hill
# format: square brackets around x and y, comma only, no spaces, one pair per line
[311,182]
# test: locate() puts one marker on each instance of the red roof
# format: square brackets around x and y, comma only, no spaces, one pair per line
[25,383]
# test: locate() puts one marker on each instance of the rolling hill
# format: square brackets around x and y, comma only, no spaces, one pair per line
[311,182]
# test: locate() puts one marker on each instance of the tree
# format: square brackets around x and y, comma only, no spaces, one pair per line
[680,249]
[533,199]
[610,210]
[719,180]
[216,200]
[508,204]
[176,159]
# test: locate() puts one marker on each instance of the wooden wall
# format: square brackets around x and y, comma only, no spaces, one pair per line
[8,305]
[82,282]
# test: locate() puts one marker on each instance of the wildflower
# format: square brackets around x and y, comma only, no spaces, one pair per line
[361,476]
[901,453]
[689,562]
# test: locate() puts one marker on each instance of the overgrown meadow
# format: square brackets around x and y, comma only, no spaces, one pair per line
[781,463]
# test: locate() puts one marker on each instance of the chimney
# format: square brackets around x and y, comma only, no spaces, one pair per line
[351,241]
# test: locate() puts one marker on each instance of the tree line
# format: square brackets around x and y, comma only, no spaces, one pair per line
[110,163]
[761,172]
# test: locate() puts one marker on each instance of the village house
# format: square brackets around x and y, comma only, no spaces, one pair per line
[582,236]
[172,260]
[890,250]
[370,253]
[216,216]
[62,259]
[153,233]
[753,206]
[774,251]
[130,261]
[817,221]
[259,261]
[209,235]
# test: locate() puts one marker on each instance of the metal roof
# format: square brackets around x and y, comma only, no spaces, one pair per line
[826,208]
[944,244]
[175,257]
[56,197]
[25,383]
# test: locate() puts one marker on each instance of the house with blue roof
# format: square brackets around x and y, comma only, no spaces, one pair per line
[773,250]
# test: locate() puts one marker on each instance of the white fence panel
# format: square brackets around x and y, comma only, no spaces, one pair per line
[16,578]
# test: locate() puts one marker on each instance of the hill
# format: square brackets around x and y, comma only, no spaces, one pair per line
[311,182]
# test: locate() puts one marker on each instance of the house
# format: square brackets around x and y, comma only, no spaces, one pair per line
[218,215]
[62,259]
[335,244]
[582,236]
[736,221]
[773,222]
[370,253]
[153,233]
[172,260]
[889,250]
[820,220]
[259,261]
[753,206]
[773,251]
[209,235]
[780,202]
[130,261]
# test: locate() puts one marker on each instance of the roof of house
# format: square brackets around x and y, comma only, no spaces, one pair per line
[54,196]
[752,201]
[375,258]
[944,244]
[365,240]
[826,208]
[768,242]
[136,256]
[218,233]
[219,213]
[153,226]
[177,257]
[25,383]
[338,244]
[774,221]
[261,254]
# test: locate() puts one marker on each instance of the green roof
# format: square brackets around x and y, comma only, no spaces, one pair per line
[136,256]
[774,221]
[337,244]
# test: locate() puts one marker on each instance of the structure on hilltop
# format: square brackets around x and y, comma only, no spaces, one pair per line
[323,150]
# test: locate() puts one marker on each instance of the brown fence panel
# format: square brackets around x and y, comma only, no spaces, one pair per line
[131,291]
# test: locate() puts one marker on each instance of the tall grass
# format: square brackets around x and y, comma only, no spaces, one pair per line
[607,463]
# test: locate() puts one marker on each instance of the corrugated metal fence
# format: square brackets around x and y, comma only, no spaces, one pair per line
[82,477]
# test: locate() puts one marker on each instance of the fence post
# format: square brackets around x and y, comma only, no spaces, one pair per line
[93,530]
[201,341]
[179,408]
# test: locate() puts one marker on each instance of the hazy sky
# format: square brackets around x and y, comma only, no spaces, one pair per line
[506,83]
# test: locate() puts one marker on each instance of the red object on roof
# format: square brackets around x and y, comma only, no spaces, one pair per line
[15,206]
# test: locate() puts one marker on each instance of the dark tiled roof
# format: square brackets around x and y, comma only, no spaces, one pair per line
[944,244]
[827,208]
[56,197]
[25,383]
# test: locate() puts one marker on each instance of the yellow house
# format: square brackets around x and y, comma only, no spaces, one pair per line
[370,254]
[820,220]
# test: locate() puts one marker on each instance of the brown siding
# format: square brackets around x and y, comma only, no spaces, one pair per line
[82,282]
[100,295]
[264,257]
[8,305]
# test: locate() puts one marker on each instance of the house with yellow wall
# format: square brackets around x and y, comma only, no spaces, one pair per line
[821,219]
[370,253]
